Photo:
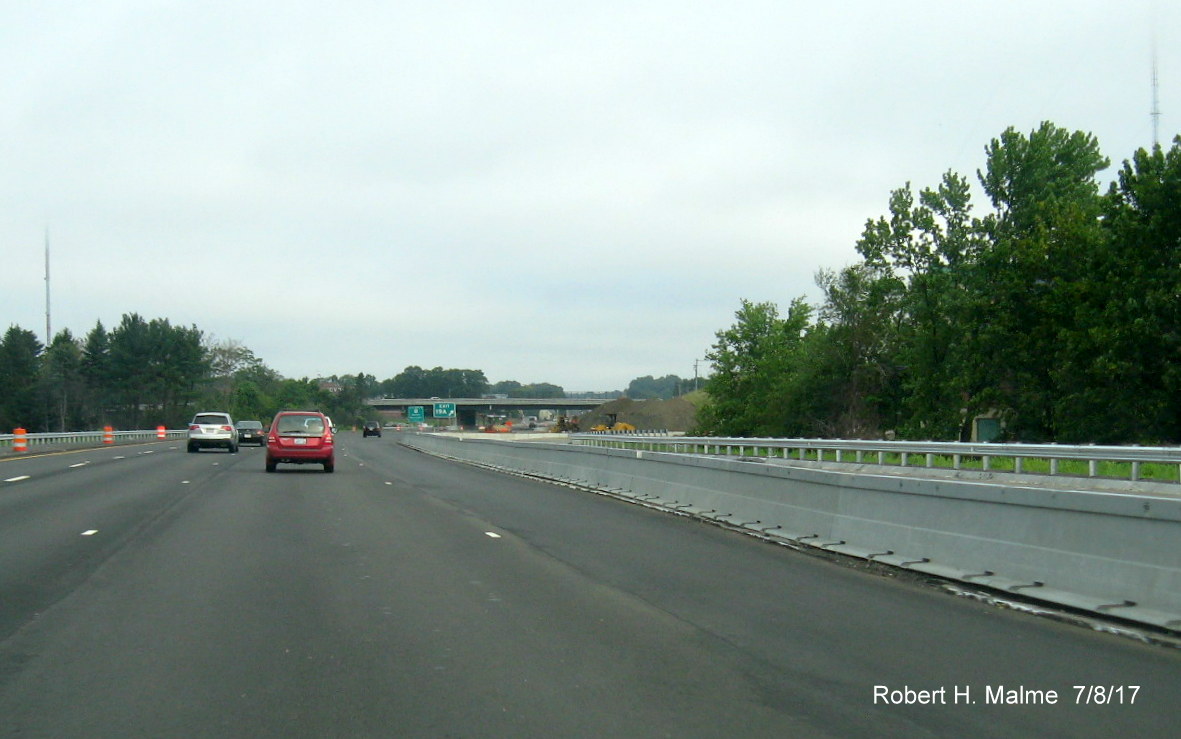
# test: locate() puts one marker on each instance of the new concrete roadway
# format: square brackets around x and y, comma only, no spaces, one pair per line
[149,592]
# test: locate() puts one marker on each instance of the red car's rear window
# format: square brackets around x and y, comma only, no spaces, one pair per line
[300,423]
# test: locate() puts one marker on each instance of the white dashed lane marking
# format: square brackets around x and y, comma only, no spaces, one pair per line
[73,466]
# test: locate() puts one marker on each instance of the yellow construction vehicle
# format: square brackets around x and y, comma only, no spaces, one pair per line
[613,424]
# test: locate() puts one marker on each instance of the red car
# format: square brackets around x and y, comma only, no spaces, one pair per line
[300,437]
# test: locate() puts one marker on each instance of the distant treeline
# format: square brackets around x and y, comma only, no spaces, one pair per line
[416,382]
[144,373]
[140,374]
[1058,313]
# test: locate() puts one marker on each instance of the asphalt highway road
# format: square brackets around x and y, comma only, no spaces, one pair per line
[149,592]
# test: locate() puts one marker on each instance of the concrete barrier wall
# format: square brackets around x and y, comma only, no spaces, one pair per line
[1117,554]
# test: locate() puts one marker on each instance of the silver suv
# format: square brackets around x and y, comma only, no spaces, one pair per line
[213,428]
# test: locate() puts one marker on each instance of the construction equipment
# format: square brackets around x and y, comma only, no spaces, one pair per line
[613,424]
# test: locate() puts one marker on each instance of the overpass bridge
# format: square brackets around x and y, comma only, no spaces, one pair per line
[468,410]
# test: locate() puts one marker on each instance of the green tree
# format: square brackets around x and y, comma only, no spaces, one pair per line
[1044,232]
[96,376]
[539,390]
[129,376]
[409,383]
[509,388]
[250,403]
[255,387]
[1059,310]
[649,387]
[1130,388]
[64,386]
[227,360]
[178,367]
[348,406]
[751,361]
[514,389]
[930,248]
[862,313]
[156,371]
[415,382]
[20,364]
[302,394]
[463,383]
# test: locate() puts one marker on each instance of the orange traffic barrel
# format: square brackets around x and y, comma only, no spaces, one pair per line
[20,440]
[108,435]
[161,432]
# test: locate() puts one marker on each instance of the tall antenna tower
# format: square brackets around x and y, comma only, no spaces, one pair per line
[1155,99]
[48,327]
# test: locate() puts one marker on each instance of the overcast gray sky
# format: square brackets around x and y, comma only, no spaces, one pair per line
[575,193]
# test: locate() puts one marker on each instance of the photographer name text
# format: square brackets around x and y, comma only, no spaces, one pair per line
[1005,695]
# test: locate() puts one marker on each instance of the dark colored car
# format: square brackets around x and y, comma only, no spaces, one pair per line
[373,428]
[301,437]
[251,432]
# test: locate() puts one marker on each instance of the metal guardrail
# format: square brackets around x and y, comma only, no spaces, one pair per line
[89,437]
[932,454]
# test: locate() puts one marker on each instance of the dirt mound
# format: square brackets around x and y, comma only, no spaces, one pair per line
[676,414]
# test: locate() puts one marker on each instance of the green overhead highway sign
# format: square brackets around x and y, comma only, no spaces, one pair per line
[444,410]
